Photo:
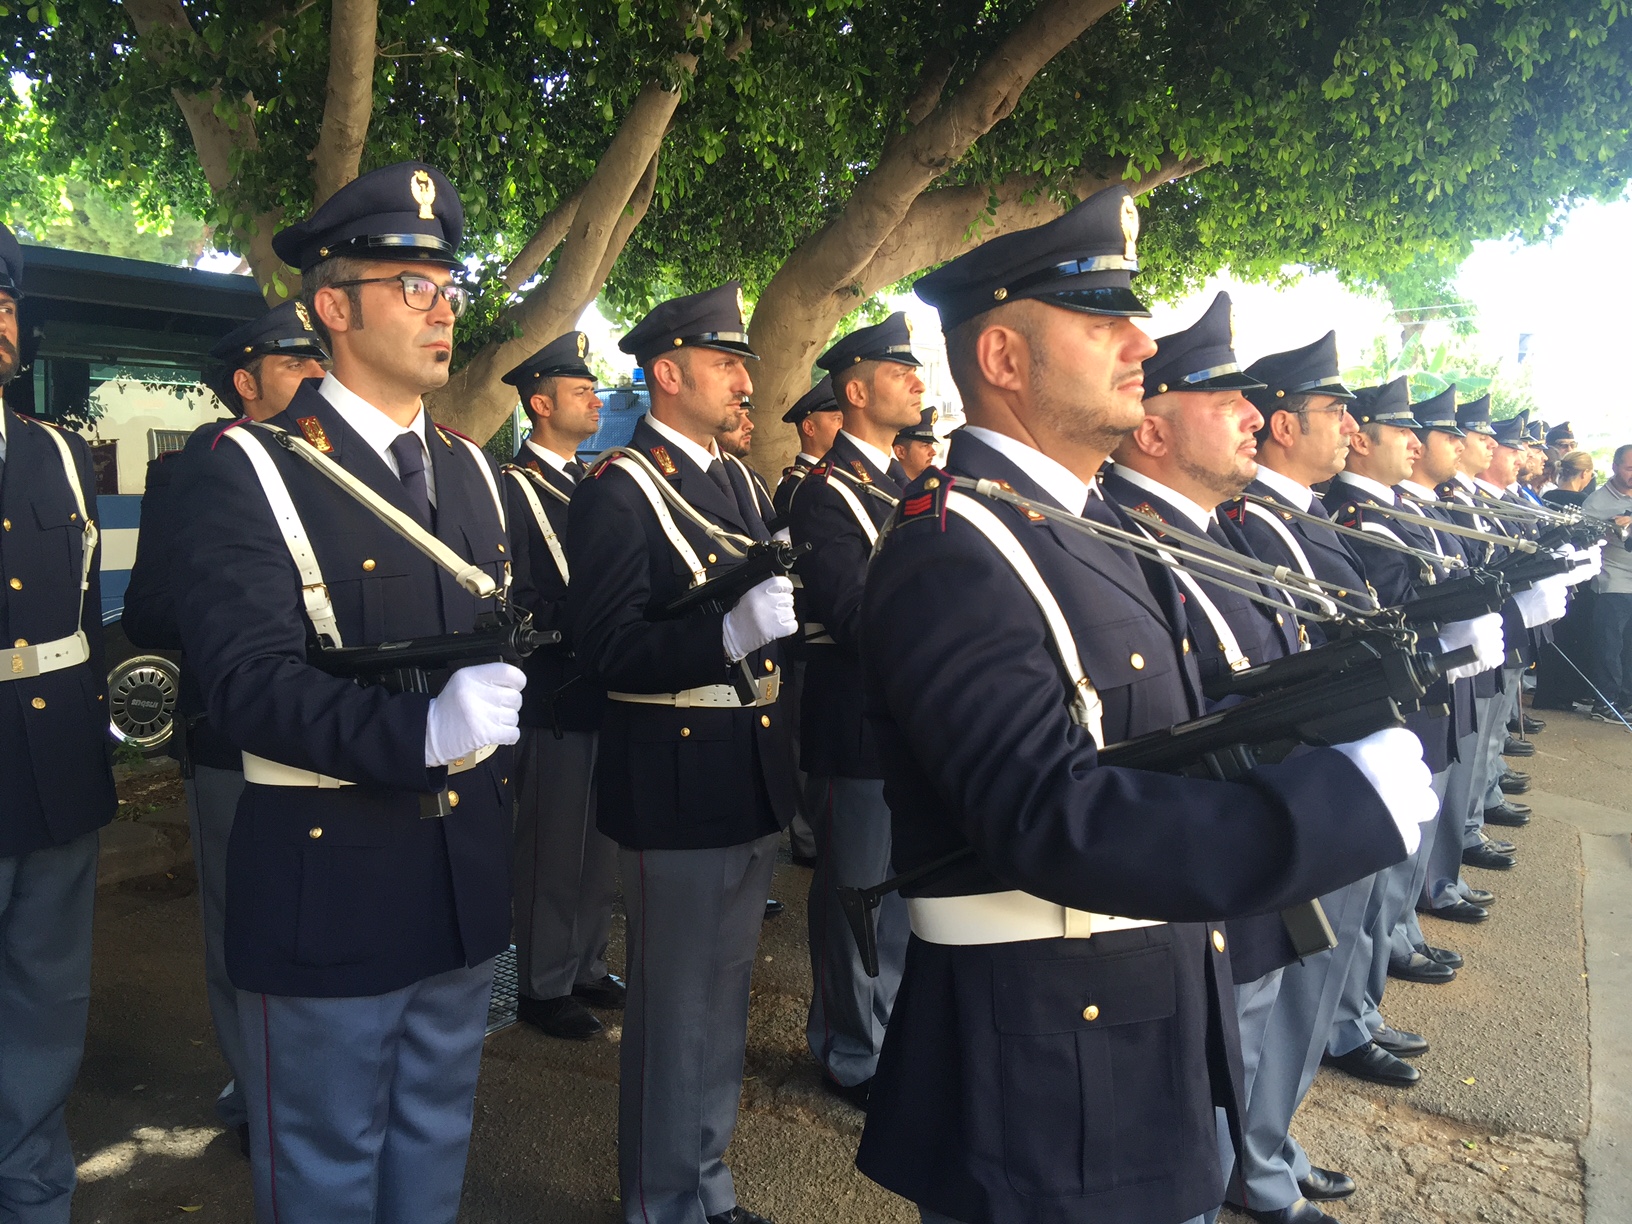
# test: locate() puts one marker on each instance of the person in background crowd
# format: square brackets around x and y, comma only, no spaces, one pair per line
[1575,476]
[1559,686]
[914,446]
[1612,615]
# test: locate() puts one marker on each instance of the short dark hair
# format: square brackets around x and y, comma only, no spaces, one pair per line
[1619,451]
[861,371]
[1297,403]
[329,274]
[545,385]
[226,391]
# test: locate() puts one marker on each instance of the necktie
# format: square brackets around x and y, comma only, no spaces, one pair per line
[409,452]
[897,473]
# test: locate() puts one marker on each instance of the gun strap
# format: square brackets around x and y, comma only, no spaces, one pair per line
[314,592]
[1227,642]
[1289,538]
[485,468]
[655,485]
[1086,708]
[470,576]
[88,529]
[525,481]
[648,486]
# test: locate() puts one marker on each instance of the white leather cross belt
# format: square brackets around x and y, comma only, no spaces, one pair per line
[22,662]
[1007,917]
[709,696]
[263,772]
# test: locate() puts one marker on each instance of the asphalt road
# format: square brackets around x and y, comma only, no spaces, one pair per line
[1503,1147]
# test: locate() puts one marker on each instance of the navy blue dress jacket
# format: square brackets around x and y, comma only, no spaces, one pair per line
[996,1098]
[56,783]
[341,891]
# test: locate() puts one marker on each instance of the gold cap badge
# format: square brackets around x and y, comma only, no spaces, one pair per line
[423,188]
[302,314]
[583,344]
[1130,229]
[742,303]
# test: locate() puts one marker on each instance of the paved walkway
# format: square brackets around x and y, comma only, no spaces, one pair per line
[1507,1146]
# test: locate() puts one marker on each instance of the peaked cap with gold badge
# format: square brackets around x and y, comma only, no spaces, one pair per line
[405,212]
[563,357]
[1199,358]
[1083,261]
[711,319]
[285,329]
[890,340]
[819,398]
[1439,412]
[1310,370]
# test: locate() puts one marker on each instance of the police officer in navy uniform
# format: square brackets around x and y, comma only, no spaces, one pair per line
[56,789]
[735,445]
[838,511]
[565,868]
[695,783]
[816,416]
[1078,948]
[258,368]
[368,874]
[1192,454]
[914,446]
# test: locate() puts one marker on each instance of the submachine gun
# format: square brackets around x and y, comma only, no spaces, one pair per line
[767,559]
[1333,694]
[502,635]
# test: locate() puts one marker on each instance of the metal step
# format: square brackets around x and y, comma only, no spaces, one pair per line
[501,1008]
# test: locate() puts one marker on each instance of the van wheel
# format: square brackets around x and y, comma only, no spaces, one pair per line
[142,702]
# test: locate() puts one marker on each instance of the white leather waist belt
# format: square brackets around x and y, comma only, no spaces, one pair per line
[1007,917]
[21,662]
[709,696]
[271,773]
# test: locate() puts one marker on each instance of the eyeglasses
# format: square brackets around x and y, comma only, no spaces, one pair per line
[420,292]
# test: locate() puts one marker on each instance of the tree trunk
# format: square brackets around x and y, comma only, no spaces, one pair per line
[607,208]
[350,102]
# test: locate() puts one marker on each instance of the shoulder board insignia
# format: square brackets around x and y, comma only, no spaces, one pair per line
[860,469]
[1236,510]
[1030,514]
[824,469]
[914,506]
[660,456]
[443,434]
[315,434]
[1150,511]
[929,504]
[602,466]
[449,429]
[216,441]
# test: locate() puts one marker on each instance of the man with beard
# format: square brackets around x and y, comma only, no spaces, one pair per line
[369,866]
[915,445]
[1066,947]
[695,776]
[56,789]
[564,867]
[838,511]
[1194,451]
[260,367]
[735,445]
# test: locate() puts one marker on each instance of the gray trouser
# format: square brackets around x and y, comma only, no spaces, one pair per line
[1490,732]
[1440,885]
[565,868]
[849,1010]
[1393,894]
[694,919]
[212,802]
[46,901]
[801,837]
[1503,706]
[361,1107]
[1291,1039]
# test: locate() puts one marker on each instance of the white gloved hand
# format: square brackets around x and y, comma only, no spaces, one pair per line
[479,705]
[1589,563]
[763,614]
[1484,634]
[1543,603]
[1392,761]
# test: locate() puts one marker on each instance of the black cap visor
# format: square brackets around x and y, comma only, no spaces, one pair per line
[1209,380]
[726,342]
[421,248]
[1103,300]
[1446,427]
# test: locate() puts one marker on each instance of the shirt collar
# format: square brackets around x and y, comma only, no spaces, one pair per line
[702,456]
[1495,491]
[1299,495]
[1420,492]
[1466,481]
[1200,517]
[1057,480]
[1375,487]
[372,425]
[549,456]
[810,459]
[871,453]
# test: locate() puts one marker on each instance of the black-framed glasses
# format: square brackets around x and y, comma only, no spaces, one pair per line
[420,292]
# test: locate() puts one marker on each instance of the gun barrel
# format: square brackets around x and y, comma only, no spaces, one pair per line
[1457,600]
[771,559]
[512,643]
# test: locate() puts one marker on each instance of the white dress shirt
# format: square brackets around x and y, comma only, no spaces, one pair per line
[1374,487]
[871,453]
[1301,497]
[1057,480]
[558,462]
[702,456]
[1199,517]
[375,428]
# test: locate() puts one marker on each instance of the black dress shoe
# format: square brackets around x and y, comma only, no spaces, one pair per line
[1518,748]
[1301,1212]
[1324,1185]
[1509,814]
[1477,896]
[1420,968]
[1444,955]
[1373,1063]
[1514,775]
[564,1017]
[1484,856]
[804,860]
[1514,785]
[1531,725]
[737,1215]
[773,907]
[1462,911]
[1500,846]
[856,1094]
[1400,1043]
[608,992]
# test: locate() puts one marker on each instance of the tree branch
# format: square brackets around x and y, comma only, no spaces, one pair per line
[350,102]
[551,229]
[630,217]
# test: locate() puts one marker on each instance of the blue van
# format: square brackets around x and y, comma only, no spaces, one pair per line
[621,409]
